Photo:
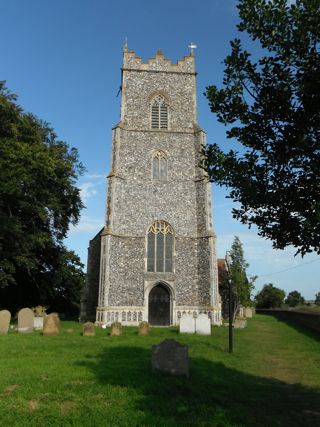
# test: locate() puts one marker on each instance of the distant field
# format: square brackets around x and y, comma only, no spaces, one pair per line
[272,379]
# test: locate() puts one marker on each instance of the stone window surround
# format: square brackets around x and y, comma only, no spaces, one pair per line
[152,100]
[169,230]
[159,154]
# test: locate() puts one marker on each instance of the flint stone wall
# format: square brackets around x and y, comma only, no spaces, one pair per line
[135,200]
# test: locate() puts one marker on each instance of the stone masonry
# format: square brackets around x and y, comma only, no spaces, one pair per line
[136,200]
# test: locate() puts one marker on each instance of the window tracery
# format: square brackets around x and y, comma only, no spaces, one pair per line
[159,113]
[160,242]
[159,166]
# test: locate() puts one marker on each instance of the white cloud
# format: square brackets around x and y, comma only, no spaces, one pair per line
[87,225]
[94,176]
[87,190]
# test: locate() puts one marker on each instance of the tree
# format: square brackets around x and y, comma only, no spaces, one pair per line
[317,299]
[272,109]
[270,297]
[294,298]
[241,285]
[38,202]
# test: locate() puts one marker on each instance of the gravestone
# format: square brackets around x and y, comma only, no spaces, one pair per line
[187,324]
[144,328]
[203,324]
[170,357]
[38,323]
[116,329]
[88,329]
[240,323]
[248,312]
[25,320]
[5,317]
[51,325]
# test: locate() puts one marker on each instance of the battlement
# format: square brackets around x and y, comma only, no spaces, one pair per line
[158,63]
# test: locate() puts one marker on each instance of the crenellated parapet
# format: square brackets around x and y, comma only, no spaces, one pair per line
[158,63]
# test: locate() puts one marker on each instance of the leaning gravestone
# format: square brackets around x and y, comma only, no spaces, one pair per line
[203,324]
[187,324]
[88,329]
[25,320]
[144,328]
[170,357]
[51,324]
[5,317]
[116,329]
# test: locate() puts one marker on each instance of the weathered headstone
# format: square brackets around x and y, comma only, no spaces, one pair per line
[248,312]
[203,324]
[240,323]
[116,329]
[170,357]
[144,328]
[38,323]
[5,317]
[88,329]
[187,324]
[25,320]
[51,324]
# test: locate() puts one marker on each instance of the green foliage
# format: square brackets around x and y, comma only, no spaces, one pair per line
[270,297]
[317,299]
[294,298]
[272,109]
[273,378]
[38,201]
[241,285]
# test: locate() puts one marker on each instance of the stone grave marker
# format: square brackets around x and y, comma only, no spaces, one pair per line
[51,324]
[88,329]
[240,323]
[25,320]
[248,312]
[5,317]
[170,357]
[144,328]
[203,324]
[116,329]
[187,324]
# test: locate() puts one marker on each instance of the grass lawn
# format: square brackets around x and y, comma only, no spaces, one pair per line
[271,379]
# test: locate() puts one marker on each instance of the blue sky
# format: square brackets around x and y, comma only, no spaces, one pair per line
[63,59]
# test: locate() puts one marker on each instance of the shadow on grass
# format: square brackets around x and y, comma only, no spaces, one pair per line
[294,323]
[214,395]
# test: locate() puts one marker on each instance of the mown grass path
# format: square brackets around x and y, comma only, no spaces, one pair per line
[271,379]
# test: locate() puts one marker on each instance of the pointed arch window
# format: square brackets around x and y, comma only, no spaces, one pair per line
[159,113]
[160,247]
[159,166]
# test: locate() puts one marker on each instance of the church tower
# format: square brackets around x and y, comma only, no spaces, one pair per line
[157,253]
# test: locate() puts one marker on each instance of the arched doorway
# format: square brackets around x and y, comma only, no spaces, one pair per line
[159,306]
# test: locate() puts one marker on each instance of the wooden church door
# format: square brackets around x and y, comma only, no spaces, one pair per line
[159,306]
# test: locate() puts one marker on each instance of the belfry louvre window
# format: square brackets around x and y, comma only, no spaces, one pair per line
[160,247]
[159,166]
[159,113]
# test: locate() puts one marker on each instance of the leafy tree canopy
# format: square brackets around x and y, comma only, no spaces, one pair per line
[317,299]
[294,298]
[272,109]
[38,201]
[270,297]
